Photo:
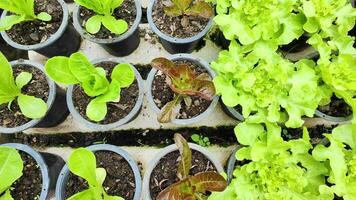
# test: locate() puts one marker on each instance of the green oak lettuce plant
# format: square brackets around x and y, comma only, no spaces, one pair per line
[82,163]
[11,166]
[78,70]
[22,11]
[104,10]
[10,90]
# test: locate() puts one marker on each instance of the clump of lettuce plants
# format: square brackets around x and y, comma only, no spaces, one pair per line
[184,82]
[104,16]
[22,11]
[191,187]
[11,167]
[10,90]
[189,8]
[78,70]
[82,163]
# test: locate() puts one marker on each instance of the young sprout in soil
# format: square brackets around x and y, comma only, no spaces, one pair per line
[201,140]
[82,162]
[184,81]
[10,89]
[78,70]
[104,16]
[11,167]
[22,10]
[191,187]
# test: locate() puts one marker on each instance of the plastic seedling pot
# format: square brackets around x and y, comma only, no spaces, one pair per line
[57,111]
[40,162]
[122,45]
[172,44]
[196,61]
[105,127]
[232,112]
[62,43]
[332,118]
[63,177]
[167,150]
[231,163]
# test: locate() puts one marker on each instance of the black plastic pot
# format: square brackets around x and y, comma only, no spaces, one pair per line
[122,45]
[232,112]
[57,109]
[40,162]
[63,177]
[63,43]
[176,45]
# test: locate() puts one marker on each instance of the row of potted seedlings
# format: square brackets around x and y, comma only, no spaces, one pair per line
[107,172]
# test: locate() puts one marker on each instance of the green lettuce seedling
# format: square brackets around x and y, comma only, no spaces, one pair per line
[191,187]
[82,163]
[11,167]
[10,90]
[188,8]
[201,140]
[78,70]
[104,10]
[23,10]
[185,83]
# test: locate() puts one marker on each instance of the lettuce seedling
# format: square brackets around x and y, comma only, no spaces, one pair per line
[11,167]
[78,70]
[104,10]
[82,163]
[10,90]
[191,187]
[23,10]
[185,83]
[188,8]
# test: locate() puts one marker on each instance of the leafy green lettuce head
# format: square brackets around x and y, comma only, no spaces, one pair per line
[277,169]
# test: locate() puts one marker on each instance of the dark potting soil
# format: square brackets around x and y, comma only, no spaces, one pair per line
[116,111]
[315,133]
[336,108]
[37,31]
[120,179]
[37,87]
[296,45]
[144,70]
[177,26]
[162,94]
[165,173]
[127,12]
[29,185]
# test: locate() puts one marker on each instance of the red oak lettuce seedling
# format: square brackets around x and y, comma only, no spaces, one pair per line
[104,10]
[187,7]
[78,70]
[10,89]
[191,187]
[185,82]
[82,163]
[23,10]
[11,167]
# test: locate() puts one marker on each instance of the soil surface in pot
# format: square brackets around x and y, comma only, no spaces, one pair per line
[162,94]
[127,12]
[37,31]
[116,111]
[29,186]
[179,27]
[296,45]
[336,108]
[120,179]
[165,173]
[38,87]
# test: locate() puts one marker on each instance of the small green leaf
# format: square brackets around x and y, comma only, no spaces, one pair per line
[124,74]
[112,95]
[173,11]
[57,68]
[186,156]
[96,111]
[32,107]
[115,26]
[170,110]
[81,67]
[93,24]
[96,85]
[82,162]
[201,9]
[107,197]
[182,4]
[11,167]
[86,194]
[7,22]
[7,83]
[23,79]
[44,17]
[195,137]
[100,175]
[6,196]
[101,71]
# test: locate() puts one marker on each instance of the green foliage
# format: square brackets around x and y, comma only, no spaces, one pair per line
[11,167]
[104,10]
[78,70]
[82,163]
[23,10]
[201,140]
[190,8]
[184,81]
[275,169]
[191,187]
[10,90]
